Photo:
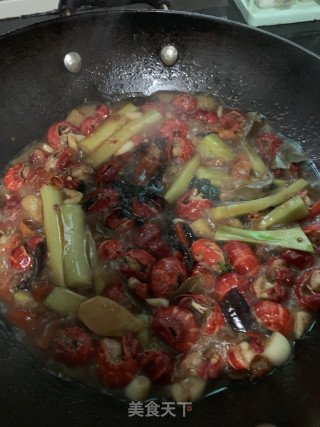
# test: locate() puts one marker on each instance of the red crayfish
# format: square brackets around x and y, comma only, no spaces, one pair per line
[116,362]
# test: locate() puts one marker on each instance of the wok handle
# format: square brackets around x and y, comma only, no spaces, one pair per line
[72,5]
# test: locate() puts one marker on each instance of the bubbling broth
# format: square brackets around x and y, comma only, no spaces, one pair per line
[154,247]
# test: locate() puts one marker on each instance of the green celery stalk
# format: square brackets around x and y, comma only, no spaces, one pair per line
[101,277]
[257,163]
[77,269]
[108,128]
[51,199]
[64,301]
[212,145]
[181,183]
[91,250]
[217,177]
[119,138]
[279,182]
[261,204]
[293,238]
[290,211]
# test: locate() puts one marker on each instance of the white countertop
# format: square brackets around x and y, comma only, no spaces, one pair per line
[14,8]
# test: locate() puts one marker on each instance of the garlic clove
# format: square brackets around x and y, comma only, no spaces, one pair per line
[138,388]
[277,349]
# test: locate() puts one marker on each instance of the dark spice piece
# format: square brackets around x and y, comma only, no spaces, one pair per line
[205,187]
[237,311]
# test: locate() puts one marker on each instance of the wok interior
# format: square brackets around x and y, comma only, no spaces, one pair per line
[120,54]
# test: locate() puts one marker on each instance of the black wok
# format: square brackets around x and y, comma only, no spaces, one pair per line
[120,50]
